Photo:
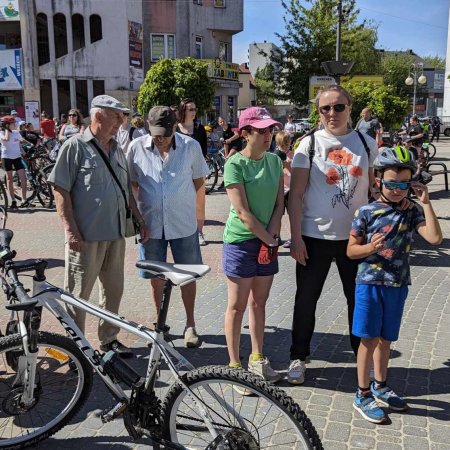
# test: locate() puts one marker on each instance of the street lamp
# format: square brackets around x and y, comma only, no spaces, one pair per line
[412,80]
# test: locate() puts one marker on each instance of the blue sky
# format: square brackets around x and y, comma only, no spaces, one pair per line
[420,25]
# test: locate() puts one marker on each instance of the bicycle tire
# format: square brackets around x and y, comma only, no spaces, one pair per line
[3,196]
[45,191]
[60,364]
[213,175]
[431,150]
[216,384]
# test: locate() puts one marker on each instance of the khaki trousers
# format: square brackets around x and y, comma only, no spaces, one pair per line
[103,260]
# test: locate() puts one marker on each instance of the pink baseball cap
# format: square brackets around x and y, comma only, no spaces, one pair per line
[257,117]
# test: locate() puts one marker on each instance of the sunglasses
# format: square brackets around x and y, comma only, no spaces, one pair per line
[72,115]
[339,107]
[392,185]
[263,130]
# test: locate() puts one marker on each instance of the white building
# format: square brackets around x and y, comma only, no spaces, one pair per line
[446,105]
[259,55]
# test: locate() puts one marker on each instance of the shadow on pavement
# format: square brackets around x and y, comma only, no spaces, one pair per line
[425,254]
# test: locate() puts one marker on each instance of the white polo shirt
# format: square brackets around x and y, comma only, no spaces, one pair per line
[10,148]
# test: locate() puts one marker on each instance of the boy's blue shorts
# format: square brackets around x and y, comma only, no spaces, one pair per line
[378,311]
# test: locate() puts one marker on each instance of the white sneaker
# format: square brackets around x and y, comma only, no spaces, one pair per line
[262,368]
[201,239]
[296,372]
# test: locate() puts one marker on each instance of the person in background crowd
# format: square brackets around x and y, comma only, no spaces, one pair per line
[73,126]
[436,128]
[93,209]
[254,183]
[168,172]
[16,118]
[232,141]
[123,134]
[283,151]
[369,125]
[48,129]
[31,137]
[10,140]
[289,126]
[137,128]
[326,190]
[187,125]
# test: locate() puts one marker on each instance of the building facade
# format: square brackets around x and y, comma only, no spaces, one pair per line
[70,51]
[247,88]
[259,56]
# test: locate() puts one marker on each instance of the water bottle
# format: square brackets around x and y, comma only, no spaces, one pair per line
[119,369]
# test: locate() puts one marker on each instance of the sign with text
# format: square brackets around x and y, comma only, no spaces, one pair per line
[318,82]
[135,36]
[11,70]
[224,70]
[32,114]
[375,79]
[9,10]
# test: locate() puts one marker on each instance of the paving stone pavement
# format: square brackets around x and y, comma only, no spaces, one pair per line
[419,368]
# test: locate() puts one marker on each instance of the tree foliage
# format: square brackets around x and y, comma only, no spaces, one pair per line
[265,85]
[381,99]
[395,68]
[310,39]
[435,61]
[170,80]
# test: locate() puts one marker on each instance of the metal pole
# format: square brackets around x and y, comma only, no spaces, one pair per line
[338,36]
[415,85]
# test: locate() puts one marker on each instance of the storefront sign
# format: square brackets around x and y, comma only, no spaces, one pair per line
[439,79]
[316,83]
[375,79]
[9,10]
[10,70]
[135,37]
[224,70]
[216,102]
[32,114]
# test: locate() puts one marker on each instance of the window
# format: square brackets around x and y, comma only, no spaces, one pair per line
[223,51]
[46,96]
[219,3]
[77,32]
[60,34]
[198,47]
[42,39]
[98,87]
[63,90]
[82,96]
[163,46]
[95,27]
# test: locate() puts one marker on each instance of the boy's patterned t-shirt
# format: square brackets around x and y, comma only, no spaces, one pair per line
[389,266]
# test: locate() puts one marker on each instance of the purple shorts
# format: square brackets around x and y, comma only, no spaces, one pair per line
[240,260]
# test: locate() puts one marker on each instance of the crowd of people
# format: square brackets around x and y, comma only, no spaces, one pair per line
[346,198]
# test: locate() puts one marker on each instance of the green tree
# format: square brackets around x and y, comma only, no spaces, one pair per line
[395,68]
[381,99]
[265,85]
[435,61]
[310,39]
[170,80]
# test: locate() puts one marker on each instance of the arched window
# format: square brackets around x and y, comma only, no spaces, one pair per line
[60,34]
[77,31]
[42,39]
[95,26]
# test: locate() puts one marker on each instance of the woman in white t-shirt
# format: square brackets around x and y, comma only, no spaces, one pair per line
[10,140]
[323,198]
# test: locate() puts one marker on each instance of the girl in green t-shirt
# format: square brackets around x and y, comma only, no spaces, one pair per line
[254,182]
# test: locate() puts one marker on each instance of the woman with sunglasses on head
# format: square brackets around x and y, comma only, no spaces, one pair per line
[188,125]
[329,182]
[254,182]
[73,126]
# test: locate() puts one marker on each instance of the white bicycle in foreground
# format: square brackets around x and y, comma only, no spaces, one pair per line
[46,378]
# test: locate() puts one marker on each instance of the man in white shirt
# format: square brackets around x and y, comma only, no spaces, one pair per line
[290,126]
[168,172]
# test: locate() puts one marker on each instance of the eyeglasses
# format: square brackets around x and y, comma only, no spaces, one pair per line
[191,109]
[263,130]
[339,107]
[392,185]
[72,115]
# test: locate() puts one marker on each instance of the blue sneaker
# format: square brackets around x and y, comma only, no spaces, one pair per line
[369,409]
[385,396]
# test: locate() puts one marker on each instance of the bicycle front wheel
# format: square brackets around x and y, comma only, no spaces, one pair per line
[268,418]
[63,383]
[213,174]
[431,150]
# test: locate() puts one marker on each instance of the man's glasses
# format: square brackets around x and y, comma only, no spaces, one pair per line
[263,130]
[392,185]
[339,107]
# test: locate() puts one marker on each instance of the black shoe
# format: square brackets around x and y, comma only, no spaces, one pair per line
[117,347]
[13,204]
[25,204]
[165,329]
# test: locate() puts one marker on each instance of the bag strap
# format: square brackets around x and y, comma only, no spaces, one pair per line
[130,134]
[311,149]
[363,140]
[113,174]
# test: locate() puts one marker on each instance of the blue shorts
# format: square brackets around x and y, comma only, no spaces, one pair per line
[378,311]
[240,260]
[184,250]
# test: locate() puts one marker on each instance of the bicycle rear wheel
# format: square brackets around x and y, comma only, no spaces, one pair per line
[268,418]
[45,190]
[3,196]
[431,150]
[211,178]
[63,383]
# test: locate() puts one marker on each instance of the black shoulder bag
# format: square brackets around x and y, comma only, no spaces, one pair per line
[132,226]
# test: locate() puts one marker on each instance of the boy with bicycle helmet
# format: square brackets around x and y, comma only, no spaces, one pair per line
[381,237]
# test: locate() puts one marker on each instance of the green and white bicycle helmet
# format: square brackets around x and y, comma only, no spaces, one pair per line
[397,156]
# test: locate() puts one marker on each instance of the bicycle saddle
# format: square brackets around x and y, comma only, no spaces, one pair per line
[178,274]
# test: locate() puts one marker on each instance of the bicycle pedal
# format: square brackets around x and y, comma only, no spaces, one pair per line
[115,411]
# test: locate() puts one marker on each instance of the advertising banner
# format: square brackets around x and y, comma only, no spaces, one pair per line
[318,82]
[219,69]
[32,114]
[11,70]
[135,36]
[9,10]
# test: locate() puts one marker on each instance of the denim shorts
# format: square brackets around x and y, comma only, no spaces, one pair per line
[378,311]
[184,250]
[240,260]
